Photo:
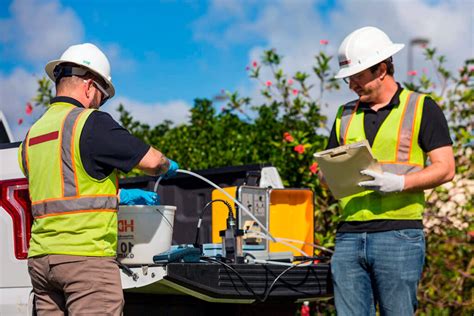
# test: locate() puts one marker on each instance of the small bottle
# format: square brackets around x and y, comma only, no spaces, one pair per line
[305,309]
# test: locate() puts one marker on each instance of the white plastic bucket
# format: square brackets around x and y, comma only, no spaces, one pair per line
[144,231]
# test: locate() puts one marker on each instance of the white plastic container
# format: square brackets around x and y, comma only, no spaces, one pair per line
[144,231]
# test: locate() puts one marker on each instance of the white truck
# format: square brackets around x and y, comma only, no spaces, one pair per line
[15,223]
[173,289]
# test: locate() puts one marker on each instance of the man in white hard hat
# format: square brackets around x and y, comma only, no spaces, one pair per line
[70,157]
[380,246]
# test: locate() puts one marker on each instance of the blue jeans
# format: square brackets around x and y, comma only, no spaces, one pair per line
[381,268]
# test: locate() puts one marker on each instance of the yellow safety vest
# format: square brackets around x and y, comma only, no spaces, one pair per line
[74,214]
[397,150]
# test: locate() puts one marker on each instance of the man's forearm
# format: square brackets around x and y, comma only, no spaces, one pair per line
[440,171]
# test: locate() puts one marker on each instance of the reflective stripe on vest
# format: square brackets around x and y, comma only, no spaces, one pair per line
[348,113]
[46,208]
[400,129]
[69,176]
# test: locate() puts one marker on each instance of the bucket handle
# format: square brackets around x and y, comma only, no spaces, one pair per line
[164,217]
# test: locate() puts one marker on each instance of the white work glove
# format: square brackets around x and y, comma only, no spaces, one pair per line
[383,182]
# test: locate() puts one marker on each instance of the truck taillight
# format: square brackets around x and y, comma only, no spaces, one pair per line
[16,201]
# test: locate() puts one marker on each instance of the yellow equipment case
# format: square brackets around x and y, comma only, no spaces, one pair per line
[287,213]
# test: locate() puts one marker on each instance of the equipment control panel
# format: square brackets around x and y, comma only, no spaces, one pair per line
[257,201]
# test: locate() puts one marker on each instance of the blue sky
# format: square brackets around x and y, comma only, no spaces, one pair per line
[166,53]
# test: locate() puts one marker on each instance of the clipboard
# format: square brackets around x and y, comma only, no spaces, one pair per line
[342,165]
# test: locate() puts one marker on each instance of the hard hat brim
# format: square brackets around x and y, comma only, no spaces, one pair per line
[49,68]
[352,70]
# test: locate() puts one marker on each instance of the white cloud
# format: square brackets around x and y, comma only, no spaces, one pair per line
[150,113]
[38,30]
[16,90]
[295,28]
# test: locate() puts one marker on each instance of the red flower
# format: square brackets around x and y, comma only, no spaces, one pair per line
[313,168]
[20,121]
[268,83]
[290,82]
[28,108]
[299,149]
[287,136]
[295,91]
[323,42]
[254,64]
[412,73]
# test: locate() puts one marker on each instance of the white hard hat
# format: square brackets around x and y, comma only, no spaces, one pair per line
[89,57]
[364,48]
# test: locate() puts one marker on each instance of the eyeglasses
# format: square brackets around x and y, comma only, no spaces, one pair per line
[357,77]
[105,94]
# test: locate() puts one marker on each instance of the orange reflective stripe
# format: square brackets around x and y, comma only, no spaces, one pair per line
[76,212]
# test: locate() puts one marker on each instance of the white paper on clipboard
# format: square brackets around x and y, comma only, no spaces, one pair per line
[342,165]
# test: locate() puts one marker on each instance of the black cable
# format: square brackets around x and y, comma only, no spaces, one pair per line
[198,226]
[300,258]
[242,279]
[267,293]
[247,285]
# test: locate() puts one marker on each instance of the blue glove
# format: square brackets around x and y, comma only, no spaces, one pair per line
[138,197]
[171,170]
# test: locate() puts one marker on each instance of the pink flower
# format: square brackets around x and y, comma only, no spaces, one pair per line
[290,82]
[20,121]
[254,64]
[425,70]
[471,69]
[412,73]
[268,83]
[28,108]
[295,91]
[323,42]
[313,168]
[287,136]
[299,149]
